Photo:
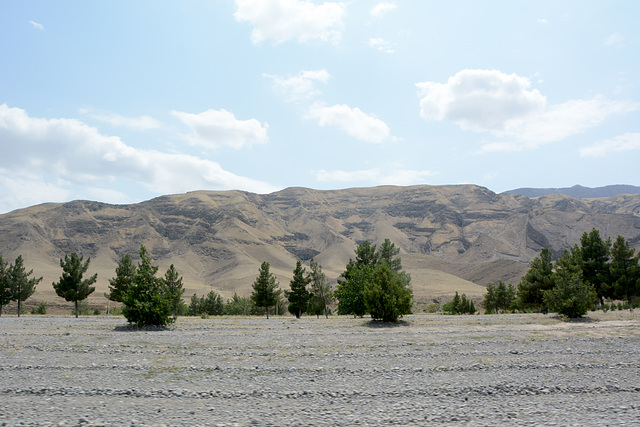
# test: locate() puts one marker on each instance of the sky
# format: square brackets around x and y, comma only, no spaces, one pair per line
[122,101]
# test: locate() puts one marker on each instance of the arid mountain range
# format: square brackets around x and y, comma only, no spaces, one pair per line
[451,237]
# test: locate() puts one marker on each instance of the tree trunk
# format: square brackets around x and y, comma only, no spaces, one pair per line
[326,312]
[267,312]
[602,304]
[76,309]
[630,304]
[19,306]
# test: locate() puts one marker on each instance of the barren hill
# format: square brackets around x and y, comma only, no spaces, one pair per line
[451,237]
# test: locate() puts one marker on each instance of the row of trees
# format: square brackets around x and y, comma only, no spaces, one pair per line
[373,283]
[587,273]
[313,300]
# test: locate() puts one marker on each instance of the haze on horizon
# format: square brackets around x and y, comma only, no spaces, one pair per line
[124,101]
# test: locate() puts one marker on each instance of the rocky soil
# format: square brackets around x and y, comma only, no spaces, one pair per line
[472,370]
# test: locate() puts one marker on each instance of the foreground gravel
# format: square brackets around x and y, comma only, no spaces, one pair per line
[472,370]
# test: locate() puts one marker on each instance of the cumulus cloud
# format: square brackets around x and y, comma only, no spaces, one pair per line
[37,26]
[300,87]
[283,20]
[626,142]
[353,121]
[381,44]
[382,8]
[117,120]
[506,106]
[391,176]
[49,156]
[220,128]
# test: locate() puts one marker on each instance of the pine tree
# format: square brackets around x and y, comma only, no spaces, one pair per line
[22,287]
[6,296]
[298,296]
[147,302]
[71,286]
[173,286]
[594,254]
[265,288]
[570,295]
[119,285]
[537,280]
[624,271]
[386,295]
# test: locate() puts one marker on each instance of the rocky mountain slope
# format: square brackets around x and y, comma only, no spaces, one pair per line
[451,237]
[578,191]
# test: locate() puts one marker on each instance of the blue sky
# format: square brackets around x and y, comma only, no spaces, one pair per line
[121,101]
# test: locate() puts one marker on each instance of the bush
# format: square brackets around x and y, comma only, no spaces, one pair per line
[40,309]
[386,296]
[459,305]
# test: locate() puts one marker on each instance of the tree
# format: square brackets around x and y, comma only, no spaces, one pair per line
[624,271]
[321,295]
[119,285]
[265,288]
[350,291]
[499,297]
[386,296]
[240,306]
[147,302]
[173,286]
[298,296]
[22,287]
[360,272]
[71,286]
[594,254]
[6,296]
[537,280]
[570,296]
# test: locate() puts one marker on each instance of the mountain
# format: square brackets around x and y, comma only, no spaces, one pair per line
[578,191]
[451,237]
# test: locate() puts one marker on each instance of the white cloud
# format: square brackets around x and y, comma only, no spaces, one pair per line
[381,44]
[116,120]
[505,106]
[351,120]
[542,21]
[382,8]
[43,159]
[391,176]
[300,87]
[615,40]
[219,128]
[37,26]
[626,142]
[283,20]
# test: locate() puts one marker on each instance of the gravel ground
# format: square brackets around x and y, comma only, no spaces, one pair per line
[450,370]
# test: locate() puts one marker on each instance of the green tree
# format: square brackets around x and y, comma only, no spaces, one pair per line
[499,297]
[71,286]
[386,296]
[350,291]
[298,296]
[570,296]
[173,287]
[213,304]
[594,254]
[265,288]
[624,271]
[22,287]
[147,302]
[6,295]
[538,279]
[321,295]
[119,285]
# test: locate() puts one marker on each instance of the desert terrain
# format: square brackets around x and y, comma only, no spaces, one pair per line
[519,369]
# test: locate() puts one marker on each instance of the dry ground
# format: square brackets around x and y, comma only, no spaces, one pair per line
[527,369]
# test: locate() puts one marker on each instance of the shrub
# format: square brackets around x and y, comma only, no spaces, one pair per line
[570,297]
[459,305]
[40,309]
